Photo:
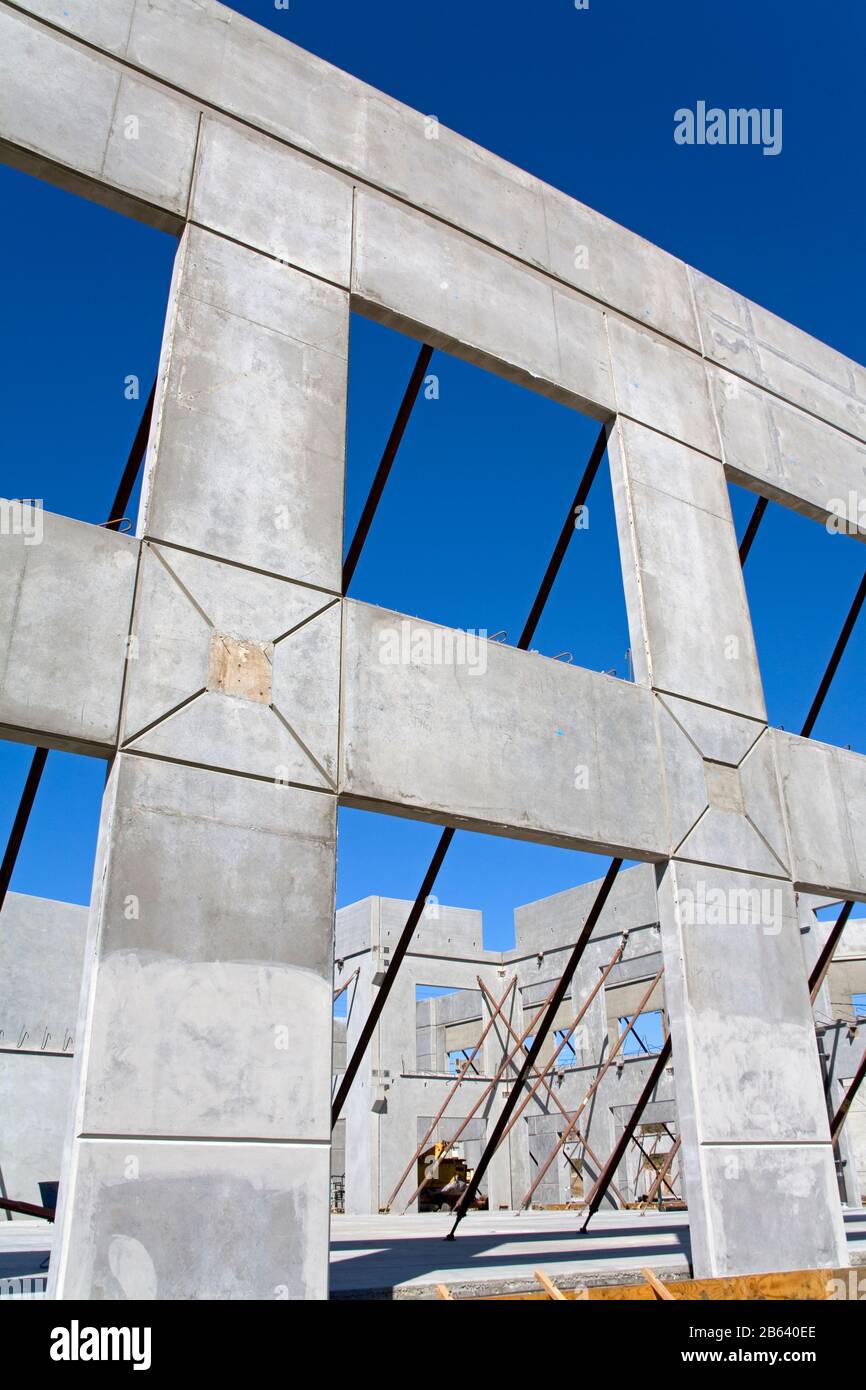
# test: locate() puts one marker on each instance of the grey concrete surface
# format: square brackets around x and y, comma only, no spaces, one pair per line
[241,191]
[41,961]
[390,1257]
[65,600]
[824,793]
[247,450]
[688,616]
[660,386]
[798,460]
[774,354]
[582,765]
[189,607]
[442,286]
[155,105]
[130,142]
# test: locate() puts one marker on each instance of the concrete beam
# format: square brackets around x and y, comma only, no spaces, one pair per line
[443,286]
[788,455]
[258,192]
[227,61]
[422,735]
[66,593]
[760,346]
[107,133]
[220,59]
[824,795]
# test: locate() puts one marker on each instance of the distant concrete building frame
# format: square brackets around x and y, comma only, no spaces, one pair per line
[238,696]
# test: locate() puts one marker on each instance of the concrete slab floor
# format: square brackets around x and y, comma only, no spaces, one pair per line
[397,1257]
[404,1257]
[25,1247]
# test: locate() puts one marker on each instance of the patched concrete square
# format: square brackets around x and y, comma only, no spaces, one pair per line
[241,668]
[204,630]
[723,787]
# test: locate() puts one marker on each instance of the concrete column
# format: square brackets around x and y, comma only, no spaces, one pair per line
[362,1120]
[757,1159]
[813,935]
[198,1160]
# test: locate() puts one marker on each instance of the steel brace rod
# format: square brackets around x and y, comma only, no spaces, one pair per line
[485,1095]
[452,1091]
[395,438]
[600,1075]
[847,1101]
[833,663]
[543,1079]
[822,964]
[447,835]
[538,1041]
[616,1157]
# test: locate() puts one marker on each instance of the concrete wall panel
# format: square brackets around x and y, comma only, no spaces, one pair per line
[749,1186]
[765,349]
[184,1031]
[260,1228]
[258,192]
[662,386]
[449,761]
[789,455]
[123,139]
[41,953]
[824,794]
[253,370]
[65,603]
[442,286]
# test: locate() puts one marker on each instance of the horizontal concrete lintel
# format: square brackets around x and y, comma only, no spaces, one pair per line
[66,590]
[824,795]
[423,333]
[761,488]
[506,831]
[857,895]
[45,738]
[209,56]
[107,195]
[496,739]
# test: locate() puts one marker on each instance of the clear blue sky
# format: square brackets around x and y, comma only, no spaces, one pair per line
[585,100]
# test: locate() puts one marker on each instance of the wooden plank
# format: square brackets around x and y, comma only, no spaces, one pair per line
[805,1285]
[657,1286]
[549,1287]
[443,1291]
